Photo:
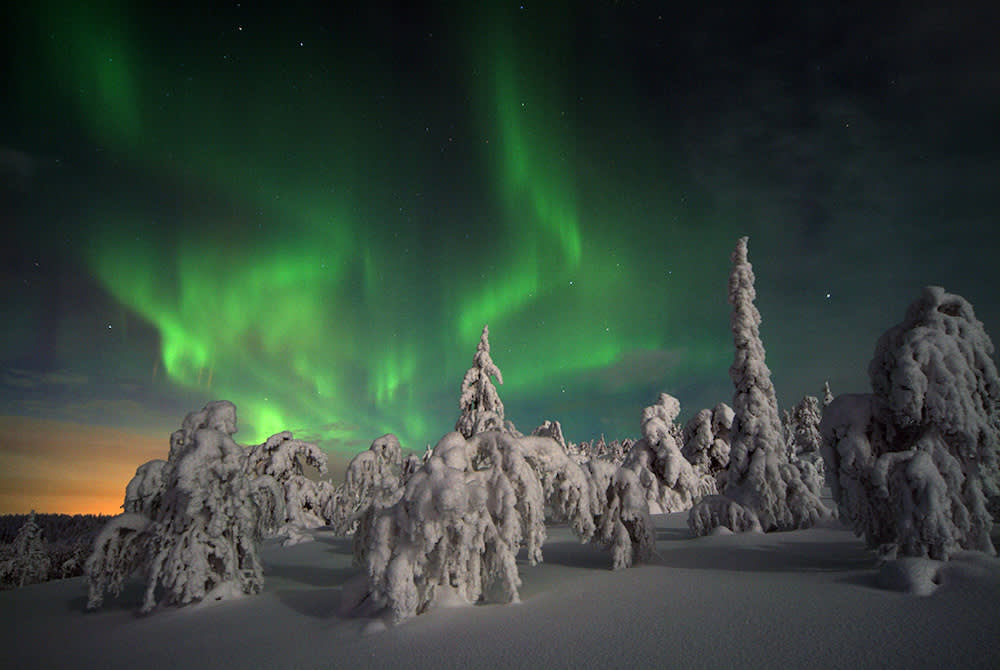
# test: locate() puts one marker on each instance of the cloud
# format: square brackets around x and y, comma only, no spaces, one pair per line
[644,367]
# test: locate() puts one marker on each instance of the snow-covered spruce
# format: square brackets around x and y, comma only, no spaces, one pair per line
[805,442]
[28,561]
[479,401]
[373,477]
[759,479]
[668,480]
[706,442]
[204,537]
[914,465]
[283,458]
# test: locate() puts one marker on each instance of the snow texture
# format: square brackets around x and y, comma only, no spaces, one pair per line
[480,403]
[914,466]
[144,492]
[706,442]
[759,477]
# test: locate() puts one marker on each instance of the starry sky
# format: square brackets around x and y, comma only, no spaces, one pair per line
[312,212]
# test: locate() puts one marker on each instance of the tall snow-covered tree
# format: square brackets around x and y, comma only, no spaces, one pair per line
[915,465]
[767,490]
[480,403]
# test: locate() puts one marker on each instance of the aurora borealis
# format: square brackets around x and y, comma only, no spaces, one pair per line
[312,212]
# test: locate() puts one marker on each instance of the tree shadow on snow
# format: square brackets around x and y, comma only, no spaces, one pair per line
[310,575]
[784,556]
[573,554]
[130,599]
[315,603]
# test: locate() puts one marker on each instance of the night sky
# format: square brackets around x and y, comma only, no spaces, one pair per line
[313,212]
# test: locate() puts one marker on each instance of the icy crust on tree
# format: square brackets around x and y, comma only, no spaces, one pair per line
[706,442]
[283,458]
[145,490]
[204,536]
[914,465]
[759,477]
[669,481]
[458,526]
[373,477]
[479,402]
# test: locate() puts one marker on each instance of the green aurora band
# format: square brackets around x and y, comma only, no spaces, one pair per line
[303,293]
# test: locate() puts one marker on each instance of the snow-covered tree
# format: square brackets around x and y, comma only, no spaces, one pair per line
[600,449]
[551,429]
[670,482]
[373,477]
[706,442]
[805,442]
[913,465]
[759,479]
[203,539]
[284,458]
[458,525]
[144,492]
[480,403]
[827,393]
[28,562]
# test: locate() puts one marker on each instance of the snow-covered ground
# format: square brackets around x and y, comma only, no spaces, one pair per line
[796,599]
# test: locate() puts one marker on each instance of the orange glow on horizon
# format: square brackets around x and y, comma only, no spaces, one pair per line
[58,467]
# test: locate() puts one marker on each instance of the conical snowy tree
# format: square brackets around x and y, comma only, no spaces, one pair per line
[763,490]
[480,402]
[30,562]
[827,393]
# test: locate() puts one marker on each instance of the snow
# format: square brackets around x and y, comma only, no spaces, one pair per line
[715,601]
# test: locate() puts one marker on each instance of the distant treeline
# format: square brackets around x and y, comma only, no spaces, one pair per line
[57,528]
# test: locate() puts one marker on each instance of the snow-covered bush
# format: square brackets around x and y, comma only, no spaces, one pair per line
[480,403]
[373,477]
[706,442]
[28,562]
[203,539]
[913,466]
[669,481]
[283,458]
[759,477]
